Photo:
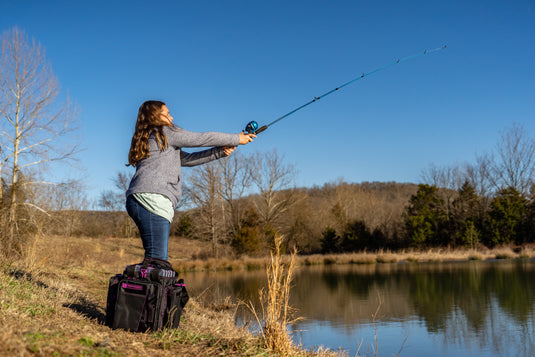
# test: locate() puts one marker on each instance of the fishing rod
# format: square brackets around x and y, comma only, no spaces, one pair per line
[252,126]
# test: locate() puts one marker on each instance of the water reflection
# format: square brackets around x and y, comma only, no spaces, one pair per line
[446,309]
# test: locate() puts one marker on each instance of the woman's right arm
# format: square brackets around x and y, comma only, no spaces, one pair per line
[181,138]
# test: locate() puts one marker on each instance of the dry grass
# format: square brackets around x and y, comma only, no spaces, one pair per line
[111,254]
[53,304]
[277,314]
[505,253]
[228,264]
[46,315]
[411,256]
[275,302]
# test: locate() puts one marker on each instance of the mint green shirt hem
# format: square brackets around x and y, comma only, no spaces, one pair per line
[156,203]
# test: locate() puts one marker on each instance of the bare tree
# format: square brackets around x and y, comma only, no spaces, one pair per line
[34,124]
[236,180]
[301,224]
[204,190]
[270,176]
[479,174]
[63,201]
[450,177]
[114,200]
[515,160]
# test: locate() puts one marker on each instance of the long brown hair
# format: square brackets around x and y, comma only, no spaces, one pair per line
[148,120]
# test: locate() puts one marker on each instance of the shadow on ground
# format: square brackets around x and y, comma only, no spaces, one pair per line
[88,309]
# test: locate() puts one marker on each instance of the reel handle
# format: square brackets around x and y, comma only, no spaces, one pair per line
[261,129]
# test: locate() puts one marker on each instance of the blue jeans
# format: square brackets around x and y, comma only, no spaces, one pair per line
[153,229]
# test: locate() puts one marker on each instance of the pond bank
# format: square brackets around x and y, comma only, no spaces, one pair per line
[53,302]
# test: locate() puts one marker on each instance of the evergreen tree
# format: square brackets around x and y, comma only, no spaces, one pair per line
[425,217]
[507,213]
[247,240]
[466,219]
[330,241]
[528,225]
[356,237]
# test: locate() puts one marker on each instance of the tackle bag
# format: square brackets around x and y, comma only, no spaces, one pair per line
[146,296]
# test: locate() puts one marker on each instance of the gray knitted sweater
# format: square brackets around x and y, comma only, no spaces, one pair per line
[161,171]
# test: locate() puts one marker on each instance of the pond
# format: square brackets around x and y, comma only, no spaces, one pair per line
[476,308]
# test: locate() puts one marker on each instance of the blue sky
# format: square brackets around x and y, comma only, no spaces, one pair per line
[220,64]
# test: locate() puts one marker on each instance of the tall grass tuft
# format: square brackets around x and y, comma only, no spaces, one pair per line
[275,302]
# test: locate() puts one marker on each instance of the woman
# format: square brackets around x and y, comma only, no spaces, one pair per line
[156,153]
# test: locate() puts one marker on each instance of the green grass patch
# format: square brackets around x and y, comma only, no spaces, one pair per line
[24,296]
[92,348]
[33,341]
[86,341]
[39,309]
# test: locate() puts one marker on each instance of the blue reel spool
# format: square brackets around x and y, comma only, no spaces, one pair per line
[251,127]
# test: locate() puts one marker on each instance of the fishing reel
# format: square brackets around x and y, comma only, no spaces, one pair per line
[252,128]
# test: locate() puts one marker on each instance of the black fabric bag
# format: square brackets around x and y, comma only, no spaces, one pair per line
[146,296]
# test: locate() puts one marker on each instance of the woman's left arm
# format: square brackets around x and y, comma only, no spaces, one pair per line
[201,157]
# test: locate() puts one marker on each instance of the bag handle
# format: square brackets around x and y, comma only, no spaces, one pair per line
[159,263]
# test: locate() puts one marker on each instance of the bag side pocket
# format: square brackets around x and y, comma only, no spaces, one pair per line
[175,304]
[130,306]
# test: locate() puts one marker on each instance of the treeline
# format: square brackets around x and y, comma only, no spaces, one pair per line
[345,217]
[306,214]
[301,215]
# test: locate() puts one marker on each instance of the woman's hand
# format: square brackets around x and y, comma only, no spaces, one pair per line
[246,138]
[227,150]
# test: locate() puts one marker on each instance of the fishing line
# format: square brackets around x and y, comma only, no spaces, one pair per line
[252,127]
